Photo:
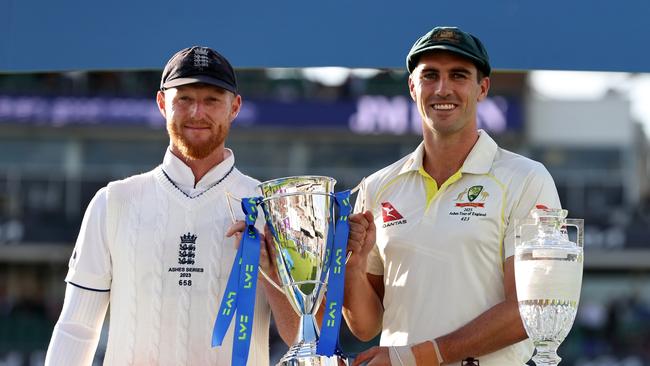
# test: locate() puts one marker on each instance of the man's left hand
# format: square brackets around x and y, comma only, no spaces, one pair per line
[267,249]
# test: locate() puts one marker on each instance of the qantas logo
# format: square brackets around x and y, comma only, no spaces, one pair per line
[389,212]
[390,215]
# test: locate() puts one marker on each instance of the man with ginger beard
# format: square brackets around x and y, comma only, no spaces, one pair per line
[159,246]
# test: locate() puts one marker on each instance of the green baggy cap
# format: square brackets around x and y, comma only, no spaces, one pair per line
[450,39]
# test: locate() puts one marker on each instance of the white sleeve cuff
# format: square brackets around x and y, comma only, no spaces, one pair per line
[77,331]
[401,356]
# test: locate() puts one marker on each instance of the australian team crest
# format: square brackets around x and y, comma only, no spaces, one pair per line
[473,192]
[470,204]
[474,196]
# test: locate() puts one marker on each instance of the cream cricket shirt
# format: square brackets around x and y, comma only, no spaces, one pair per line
[441,249]
[157,243]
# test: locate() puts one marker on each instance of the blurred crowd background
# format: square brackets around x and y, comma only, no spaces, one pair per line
[65,135]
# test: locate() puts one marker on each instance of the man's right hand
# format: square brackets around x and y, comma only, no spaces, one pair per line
[360,240]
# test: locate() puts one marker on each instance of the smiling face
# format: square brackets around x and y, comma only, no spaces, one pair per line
[198,118]
[446,89]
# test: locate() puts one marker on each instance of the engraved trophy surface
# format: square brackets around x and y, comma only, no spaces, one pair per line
[548,277]
[300,213]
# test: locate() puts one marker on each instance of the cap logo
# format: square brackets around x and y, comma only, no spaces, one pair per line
[446,35]
[201,59]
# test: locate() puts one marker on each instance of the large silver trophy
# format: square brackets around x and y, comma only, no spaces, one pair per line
[548,277]
[299,211]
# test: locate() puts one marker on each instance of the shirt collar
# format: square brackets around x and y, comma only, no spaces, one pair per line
[481,157]
[183,177]
[414,162]
[479,160]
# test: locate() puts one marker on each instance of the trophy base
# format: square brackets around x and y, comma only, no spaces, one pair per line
[304,354]
[314,361]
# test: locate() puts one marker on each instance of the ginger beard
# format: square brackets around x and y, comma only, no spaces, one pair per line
[197,150]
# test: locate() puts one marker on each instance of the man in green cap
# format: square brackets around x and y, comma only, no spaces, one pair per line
[432,267]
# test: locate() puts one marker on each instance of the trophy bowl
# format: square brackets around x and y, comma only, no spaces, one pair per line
[300,214]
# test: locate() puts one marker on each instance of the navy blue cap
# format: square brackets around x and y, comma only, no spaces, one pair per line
[198,65]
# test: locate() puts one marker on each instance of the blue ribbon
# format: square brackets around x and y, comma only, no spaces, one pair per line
[328,344]
[239,296]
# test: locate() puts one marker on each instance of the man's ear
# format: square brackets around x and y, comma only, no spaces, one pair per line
[235,107]
[160,100]
[485,87]
[411,87]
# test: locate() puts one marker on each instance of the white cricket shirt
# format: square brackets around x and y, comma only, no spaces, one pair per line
[157,243]
[441,249]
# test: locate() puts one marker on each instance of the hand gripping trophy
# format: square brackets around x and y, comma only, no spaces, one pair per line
[548,277]
[310,260]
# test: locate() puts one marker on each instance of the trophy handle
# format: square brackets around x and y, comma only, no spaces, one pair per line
[357,189]
[234,219]
[579,225]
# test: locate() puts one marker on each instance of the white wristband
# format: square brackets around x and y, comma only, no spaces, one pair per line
[401,356]
[438,354]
